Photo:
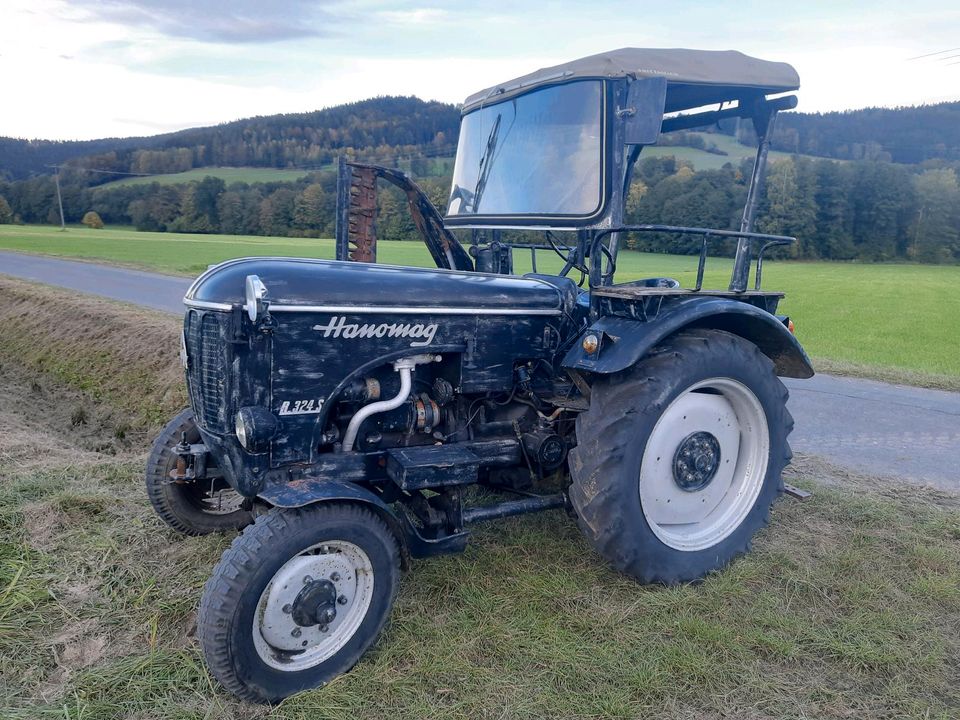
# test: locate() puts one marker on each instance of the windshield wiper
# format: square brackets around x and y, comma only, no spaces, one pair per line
[486,162]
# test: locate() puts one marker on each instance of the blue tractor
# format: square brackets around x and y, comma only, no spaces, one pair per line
[343,412]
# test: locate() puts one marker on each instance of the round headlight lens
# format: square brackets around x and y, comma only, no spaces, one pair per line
[255,428]
[241,431]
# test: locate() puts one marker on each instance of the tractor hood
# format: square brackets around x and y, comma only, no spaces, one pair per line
[294,284]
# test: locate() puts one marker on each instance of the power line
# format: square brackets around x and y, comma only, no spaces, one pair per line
[106,172]
[939,52]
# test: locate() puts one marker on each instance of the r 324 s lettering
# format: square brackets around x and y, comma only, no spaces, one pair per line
[341,410]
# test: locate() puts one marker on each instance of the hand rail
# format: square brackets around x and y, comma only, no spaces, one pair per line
[738,284]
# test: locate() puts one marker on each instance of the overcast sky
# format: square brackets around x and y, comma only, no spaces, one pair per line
[82,69]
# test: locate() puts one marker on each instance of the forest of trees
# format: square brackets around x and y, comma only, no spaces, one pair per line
[865,206]
[864,210]
[902,135]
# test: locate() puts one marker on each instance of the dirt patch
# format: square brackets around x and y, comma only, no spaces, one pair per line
[46,425]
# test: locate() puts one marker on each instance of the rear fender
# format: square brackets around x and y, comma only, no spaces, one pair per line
[624,341]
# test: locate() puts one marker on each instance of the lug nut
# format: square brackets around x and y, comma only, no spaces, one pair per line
[307,579]
[296,632]
[288,608]
[323,628]
[342,600]
[335,577]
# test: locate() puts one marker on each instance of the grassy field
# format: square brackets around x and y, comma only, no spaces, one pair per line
[699,159]
[848,607]
[861,318]
[433,167]
[227,174]
[703,160]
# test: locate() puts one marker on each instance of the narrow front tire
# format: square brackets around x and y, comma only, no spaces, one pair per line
[297,599]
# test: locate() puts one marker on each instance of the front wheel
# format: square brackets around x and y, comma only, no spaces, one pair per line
[680,458]
[297,599]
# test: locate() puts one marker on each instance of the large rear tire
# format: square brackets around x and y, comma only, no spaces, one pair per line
[194,508]
[297,598]
[679,459]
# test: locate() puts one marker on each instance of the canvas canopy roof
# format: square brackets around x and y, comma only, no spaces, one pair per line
[694,77]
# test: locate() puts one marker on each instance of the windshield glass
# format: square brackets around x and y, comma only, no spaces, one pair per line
[537,154]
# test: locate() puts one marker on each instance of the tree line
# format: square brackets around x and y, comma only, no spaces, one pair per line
[863,210]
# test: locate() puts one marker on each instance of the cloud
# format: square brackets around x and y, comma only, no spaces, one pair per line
[225,21]
[415,16]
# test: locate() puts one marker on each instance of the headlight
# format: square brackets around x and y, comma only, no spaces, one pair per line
[256,427]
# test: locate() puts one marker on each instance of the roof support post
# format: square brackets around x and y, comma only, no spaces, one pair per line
[763,121]
[342,231]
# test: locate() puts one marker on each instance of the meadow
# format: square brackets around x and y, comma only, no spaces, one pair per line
[227,174]
[892,321]
[698,159]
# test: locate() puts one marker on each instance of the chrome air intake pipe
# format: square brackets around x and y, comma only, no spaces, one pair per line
[404,366]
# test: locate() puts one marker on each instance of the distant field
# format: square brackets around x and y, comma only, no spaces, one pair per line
[227,174]
[431,167]
[703,160]
[903,317]
[700,159]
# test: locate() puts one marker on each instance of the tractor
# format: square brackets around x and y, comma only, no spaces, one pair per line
[351,416]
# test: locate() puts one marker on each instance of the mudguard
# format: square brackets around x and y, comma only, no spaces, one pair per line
[299,493]
[623,341]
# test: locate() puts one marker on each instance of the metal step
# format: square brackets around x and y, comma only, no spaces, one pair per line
[429,466]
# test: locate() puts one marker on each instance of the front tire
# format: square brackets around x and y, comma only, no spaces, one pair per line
[297,599]
[680,458]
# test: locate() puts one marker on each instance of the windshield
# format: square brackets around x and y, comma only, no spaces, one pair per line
[537,154]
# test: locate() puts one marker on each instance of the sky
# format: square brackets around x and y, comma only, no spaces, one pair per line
[81,69]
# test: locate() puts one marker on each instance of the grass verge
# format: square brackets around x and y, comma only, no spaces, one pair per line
[122,361]
[849,605]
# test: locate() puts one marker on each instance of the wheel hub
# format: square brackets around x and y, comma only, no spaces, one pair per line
[316,604]
[696,461]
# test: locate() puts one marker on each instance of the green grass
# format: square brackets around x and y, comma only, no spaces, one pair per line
[860,316]
[848,607]
[227,174]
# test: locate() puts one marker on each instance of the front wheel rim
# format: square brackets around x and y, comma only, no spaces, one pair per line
[285,645]
[704,464]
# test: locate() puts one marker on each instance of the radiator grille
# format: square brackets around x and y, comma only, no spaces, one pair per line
[207,369]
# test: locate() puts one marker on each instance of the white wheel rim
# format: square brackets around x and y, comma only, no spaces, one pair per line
[286,646]
[697,519]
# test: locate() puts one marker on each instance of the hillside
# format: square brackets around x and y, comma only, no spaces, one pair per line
[302,140]
[391,127]
[906,135]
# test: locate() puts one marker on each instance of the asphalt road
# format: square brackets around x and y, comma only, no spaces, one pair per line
[866,426]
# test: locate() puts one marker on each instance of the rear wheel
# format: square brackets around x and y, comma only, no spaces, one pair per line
[680,458]
[193,508]
[297,599]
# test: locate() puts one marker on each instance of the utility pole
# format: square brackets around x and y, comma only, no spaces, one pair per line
[56,178]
